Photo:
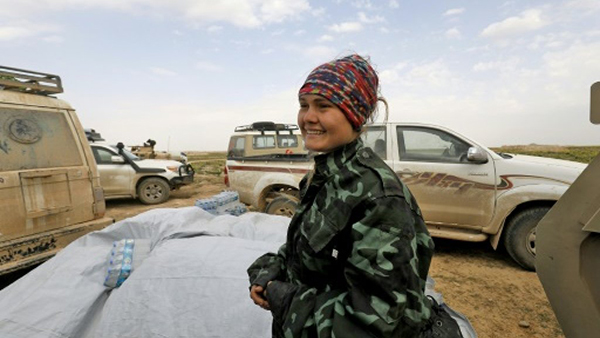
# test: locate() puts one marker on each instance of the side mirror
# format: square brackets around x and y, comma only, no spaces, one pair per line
[476,155]
[595,103]
[117,160]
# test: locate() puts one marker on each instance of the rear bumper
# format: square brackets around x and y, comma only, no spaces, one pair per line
[21,252]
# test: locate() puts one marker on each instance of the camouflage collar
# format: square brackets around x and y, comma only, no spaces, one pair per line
[331,162]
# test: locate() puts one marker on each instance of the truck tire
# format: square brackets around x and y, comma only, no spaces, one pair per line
[519,236]
[282,205]
[153,191]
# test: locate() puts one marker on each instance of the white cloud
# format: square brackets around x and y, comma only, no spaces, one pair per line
[362,4]
[162,71]
[207,66]
[527,21]
[432,74]
[427,76]
[24,29]
[346,27]
[579,62]
[299,32]
[384,30]
[454,11]
[319,53]
[267,51]
[241,13]
[453,33]
[362,17]
[318,12]
[214,28]
[12,32]
[278,32]
[325,38]
[242,43]
[593,33]
[394,4]
[502,66]
[550,41]
[586,5]
[279,10]
[391,75]
[54,39]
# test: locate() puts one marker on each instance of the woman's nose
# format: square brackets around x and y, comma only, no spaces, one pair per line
[310,115]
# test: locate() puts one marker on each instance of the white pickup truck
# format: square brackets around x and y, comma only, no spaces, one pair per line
[465,190]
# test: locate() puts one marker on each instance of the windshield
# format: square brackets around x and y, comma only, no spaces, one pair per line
[127,154]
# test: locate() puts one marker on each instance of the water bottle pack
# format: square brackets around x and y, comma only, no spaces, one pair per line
[119,263]
[225,202]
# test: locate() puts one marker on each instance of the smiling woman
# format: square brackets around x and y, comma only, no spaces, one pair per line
[357,253]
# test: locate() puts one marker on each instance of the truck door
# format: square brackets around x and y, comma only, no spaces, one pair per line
[115,177]
[449,189]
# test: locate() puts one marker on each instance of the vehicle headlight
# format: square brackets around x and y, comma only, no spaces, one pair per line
[173,169]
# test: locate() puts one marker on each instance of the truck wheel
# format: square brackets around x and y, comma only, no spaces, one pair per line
[282,205]
[153,190]
[519,236]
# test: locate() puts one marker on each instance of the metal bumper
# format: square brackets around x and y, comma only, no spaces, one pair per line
[186,176]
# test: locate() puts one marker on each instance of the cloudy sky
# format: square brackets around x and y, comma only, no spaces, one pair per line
[186,72]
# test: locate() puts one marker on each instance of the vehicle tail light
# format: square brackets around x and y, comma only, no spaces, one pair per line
[226,176]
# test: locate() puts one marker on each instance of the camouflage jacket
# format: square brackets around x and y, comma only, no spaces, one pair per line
[356,257]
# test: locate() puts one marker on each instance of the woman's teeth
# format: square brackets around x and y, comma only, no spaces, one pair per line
[315,132]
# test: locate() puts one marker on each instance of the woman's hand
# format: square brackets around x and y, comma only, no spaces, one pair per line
[259,296]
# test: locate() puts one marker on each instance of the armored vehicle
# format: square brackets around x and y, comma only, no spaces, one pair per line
[568,242]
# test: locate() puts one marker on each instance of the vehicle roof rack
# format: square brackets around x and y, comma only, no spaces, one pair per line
[27,81]
[267,126]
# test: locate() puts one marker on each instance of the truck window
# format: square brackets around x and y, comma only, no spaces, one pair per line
[287,141]
[102,156]
[263,141]
[32,139]
[376,139]
[236,147]
[430,145]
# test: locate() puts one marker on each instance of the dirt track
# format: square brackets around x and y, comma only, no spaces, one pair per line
[485,285]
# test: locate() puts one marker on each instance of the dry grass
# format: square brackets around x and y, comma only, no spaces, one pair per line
[583,154]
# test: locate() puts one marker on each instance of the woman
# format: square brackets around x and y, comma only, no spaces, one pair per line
[357,251]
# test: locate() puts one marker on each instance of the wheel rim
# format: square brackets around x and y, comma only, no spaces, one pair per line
[531,241]
[284,210]
[153,191]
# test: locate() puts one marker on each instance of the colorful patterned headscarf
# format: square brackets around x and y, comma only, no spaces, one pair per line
[350,83]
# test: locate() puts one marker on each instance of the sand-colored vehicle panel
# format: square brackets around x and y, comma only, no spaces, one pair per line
[568,254]
[50,191]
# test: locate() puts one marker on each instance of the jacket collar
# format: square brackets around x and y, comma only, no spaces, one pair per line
[329,163]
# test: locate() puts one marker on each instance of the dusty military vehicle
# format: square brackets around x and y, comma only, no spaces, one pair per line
[265,163]
[146,151]
[50,191]
[124,175]
[568,249]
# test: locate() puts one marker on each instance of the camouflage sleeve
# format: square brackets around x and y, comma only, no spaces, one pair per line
[385,273]
[268,267]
